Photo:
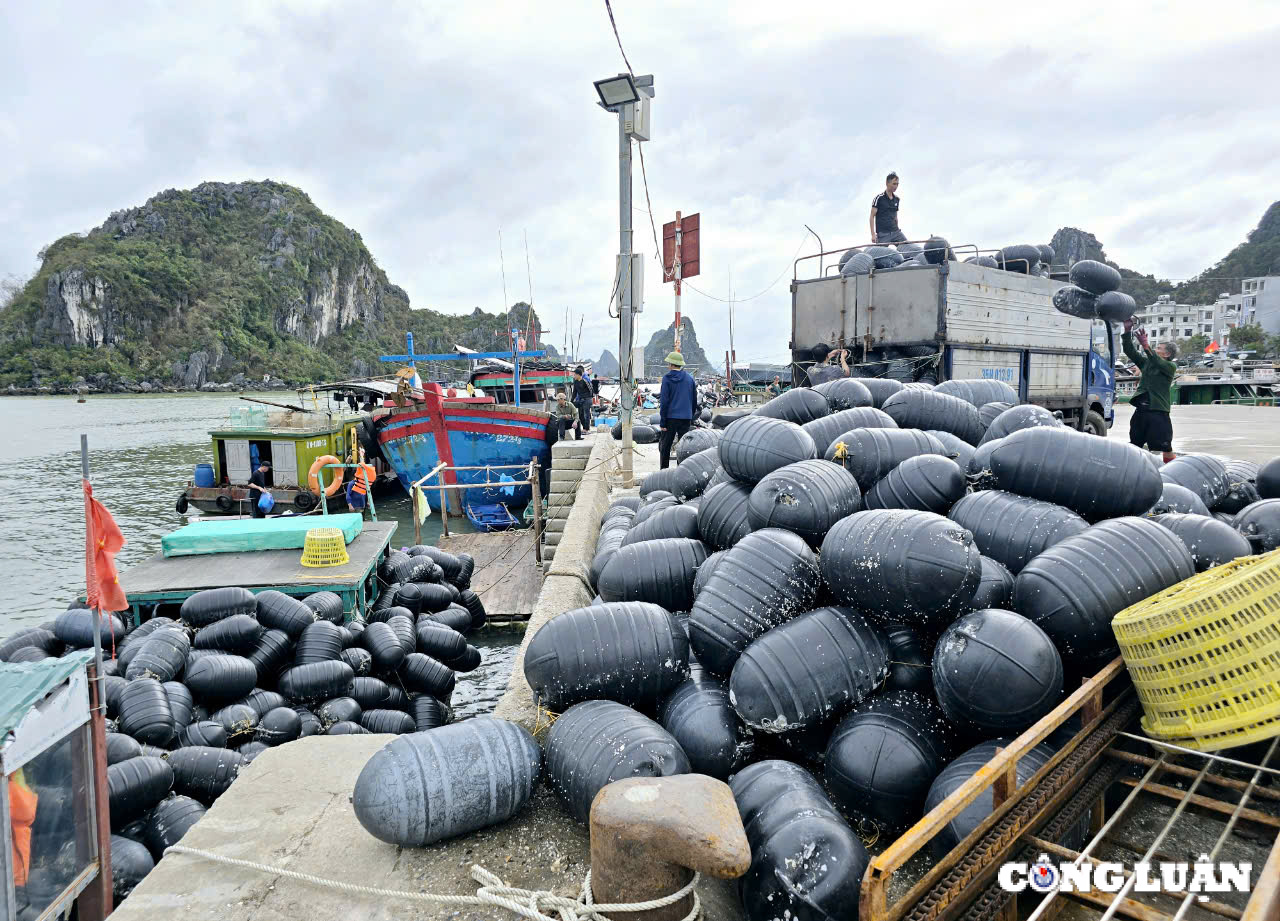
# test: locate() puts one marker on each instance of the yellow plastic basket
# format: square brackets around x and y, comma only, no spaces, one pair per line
[1205,655]
[324,547]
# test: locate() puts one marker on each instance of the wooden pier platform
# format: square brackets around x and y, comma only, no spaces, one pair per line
[507,577]
[164,580]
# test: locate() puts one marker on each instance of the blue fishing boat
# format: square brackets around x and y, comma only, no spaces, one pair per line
[436,426]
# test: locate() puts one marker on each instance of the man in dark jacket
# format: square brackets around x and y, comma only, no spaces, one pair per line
[676,401]
[1150,426]
[582,397]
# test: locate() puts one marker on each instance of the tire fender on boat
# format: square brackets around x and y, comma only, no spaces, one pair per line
[313,475]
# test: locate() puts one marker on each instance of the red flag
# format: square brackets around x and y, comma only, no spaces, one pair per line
[1211,348]
[103,540]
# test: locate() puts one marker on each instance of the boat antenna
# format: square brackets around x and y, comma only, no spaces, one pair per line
[528,317]
[577,349]
[502,264]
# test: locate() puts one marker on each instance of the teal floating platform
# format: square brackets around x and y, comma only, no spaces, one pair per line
[160,584]
[241,535]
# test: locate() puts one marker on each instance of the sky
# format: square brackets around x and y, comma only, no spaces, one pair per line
[432,128]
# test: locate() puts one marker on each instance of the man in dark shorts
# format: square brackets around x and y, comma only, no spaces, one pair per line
[1150,426]
[884,214]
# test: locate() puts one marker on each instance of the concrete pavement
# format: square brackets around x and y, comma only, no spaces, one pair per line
[1241,432]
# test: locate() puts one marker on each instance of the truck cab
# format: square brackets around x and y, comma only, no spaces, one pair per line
[931,323]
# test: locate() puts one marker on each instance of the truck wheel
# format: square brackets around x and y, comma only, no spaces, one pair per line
[1094,424]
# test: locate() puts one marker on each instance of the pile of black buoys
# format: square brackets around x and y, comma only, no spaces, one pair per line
[856,607]
[191,699]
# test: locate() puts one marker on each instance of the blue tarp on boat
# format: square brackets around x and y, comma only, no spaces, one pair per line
[287,532]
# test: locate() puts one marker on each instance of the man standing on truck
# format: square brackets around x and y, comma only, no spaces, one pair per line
[884,214]
[1151,427]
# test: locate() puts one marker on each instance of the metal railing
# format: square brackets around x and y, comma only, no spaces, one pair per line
[420,486]
[956,249]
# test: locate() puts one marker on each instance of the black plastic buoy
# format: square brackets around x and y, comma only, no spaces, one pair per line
[636,656]
[997,671]
[995,587]
[933,409]
[1073,589]
[699,716]
[808,670]
[806,862]
[908,566]
[599,741]
[755,446]
[926,482]
[870,453]
[1095,477]
[767,578]
[448,781]
[882,757]
[1011,529]
[1210,541]
[806,498]
[657,571]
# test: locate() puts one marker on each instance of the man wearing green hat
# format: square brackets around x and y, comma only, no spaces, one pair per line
[676,400]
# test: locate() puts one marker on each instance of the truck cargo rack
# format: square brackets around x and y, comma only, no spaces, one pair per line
[1169,804]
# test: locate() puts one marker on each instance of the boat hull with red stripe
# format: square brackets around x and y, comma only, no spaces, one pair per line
[466,433]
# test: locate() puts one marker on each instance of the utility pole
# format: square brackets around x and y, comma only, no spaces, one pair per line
[625,314]
[628,96]
[676,270]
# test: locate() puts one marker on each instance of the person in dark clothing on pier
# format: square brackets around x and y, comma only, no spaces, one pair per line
[676,400]
[1151,428]
[884,214]
[257,486]
[582,397]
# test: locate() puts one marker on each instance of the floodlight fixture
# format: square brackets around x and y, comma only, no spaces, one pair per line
[617,91]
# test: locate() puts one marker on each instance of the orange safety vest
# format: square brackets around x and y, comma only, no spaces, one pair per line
[361,472]
[22,814]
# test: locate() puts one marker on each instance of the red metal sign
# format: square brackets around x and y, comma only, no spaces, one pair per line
[689,235]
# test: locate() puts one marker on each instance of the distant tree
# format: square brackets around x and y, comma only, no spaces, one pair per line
[1195,345]
[1272,349]
[1249,336]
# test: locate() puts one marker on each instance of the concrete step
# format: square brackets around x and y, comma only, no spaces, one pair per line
[555,525]
[552,538]
[570,449]
[570,462]
[558,515]
[563,475]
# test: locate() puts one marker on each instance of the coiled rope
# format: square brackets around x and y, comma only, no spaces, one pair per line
[536,904]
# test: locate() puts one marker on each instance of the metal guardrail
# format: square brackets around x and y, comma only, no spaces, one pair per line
[533,469]
[1105,756]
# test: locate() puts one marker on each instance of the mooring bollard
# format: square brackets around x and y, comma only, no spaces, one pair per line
[649,835]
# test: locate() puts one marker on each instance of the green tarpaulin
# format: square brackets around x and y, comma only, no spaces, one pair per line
[238,535]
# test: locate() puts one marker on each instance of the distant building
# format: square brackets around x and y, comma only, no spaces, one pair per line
[1168,321]
[1260,298]
[1228,313]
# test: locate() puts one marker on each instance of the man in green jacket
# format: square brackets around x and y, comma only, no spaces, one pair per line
[1150,427]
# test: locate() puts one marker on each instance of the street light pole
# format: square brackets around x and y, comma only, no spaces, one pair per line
[627,318]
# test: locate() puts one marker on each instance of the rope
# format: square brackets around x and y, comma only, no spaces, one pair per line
[535,904]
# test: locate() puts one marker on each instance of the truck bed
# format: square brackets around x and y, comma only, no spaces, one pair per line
[956,303]
[987,323]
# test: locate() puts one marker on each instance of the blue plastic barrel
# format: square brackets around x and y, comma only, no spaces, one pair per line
[204,474]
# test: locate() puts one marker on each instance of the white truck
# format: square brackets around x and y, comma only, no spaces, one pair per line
[959,320]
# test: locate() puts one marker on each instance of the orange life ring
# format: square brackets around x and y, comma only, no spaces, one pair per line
[313,475]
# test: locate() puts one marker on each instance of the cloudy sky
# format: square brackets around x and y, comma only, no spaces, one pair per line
[428,127]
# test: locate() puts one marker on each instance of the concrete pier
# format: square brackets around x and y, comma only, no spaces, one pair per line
[290,809]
